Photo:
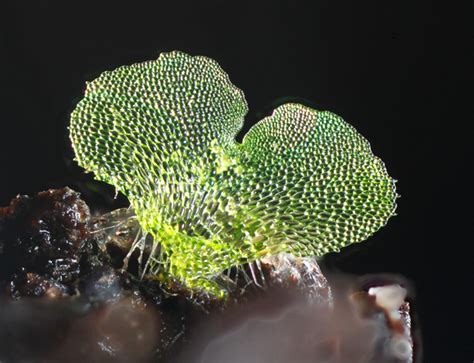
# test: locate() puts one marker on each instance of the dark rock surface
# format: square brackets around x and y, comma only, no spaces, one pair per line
[40,239]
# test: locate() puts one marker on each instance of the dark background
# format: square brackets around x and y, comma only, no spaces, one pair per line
[396,70]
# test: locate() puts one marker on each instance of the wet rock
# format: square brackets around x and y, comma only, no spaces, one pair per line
[33,285]
[43,235]
[65,296]
[390,299]
[367,325]
[301,273]
[61,298]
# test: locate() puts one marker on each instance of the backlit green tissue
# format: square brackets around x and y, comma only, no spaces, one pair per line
[163,133]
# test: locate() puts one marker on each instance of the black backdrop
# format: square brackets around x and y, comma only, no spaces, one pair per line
[395,70]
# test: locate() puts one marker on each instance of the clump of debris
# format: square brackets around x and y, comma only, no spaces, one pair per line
[65,295]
